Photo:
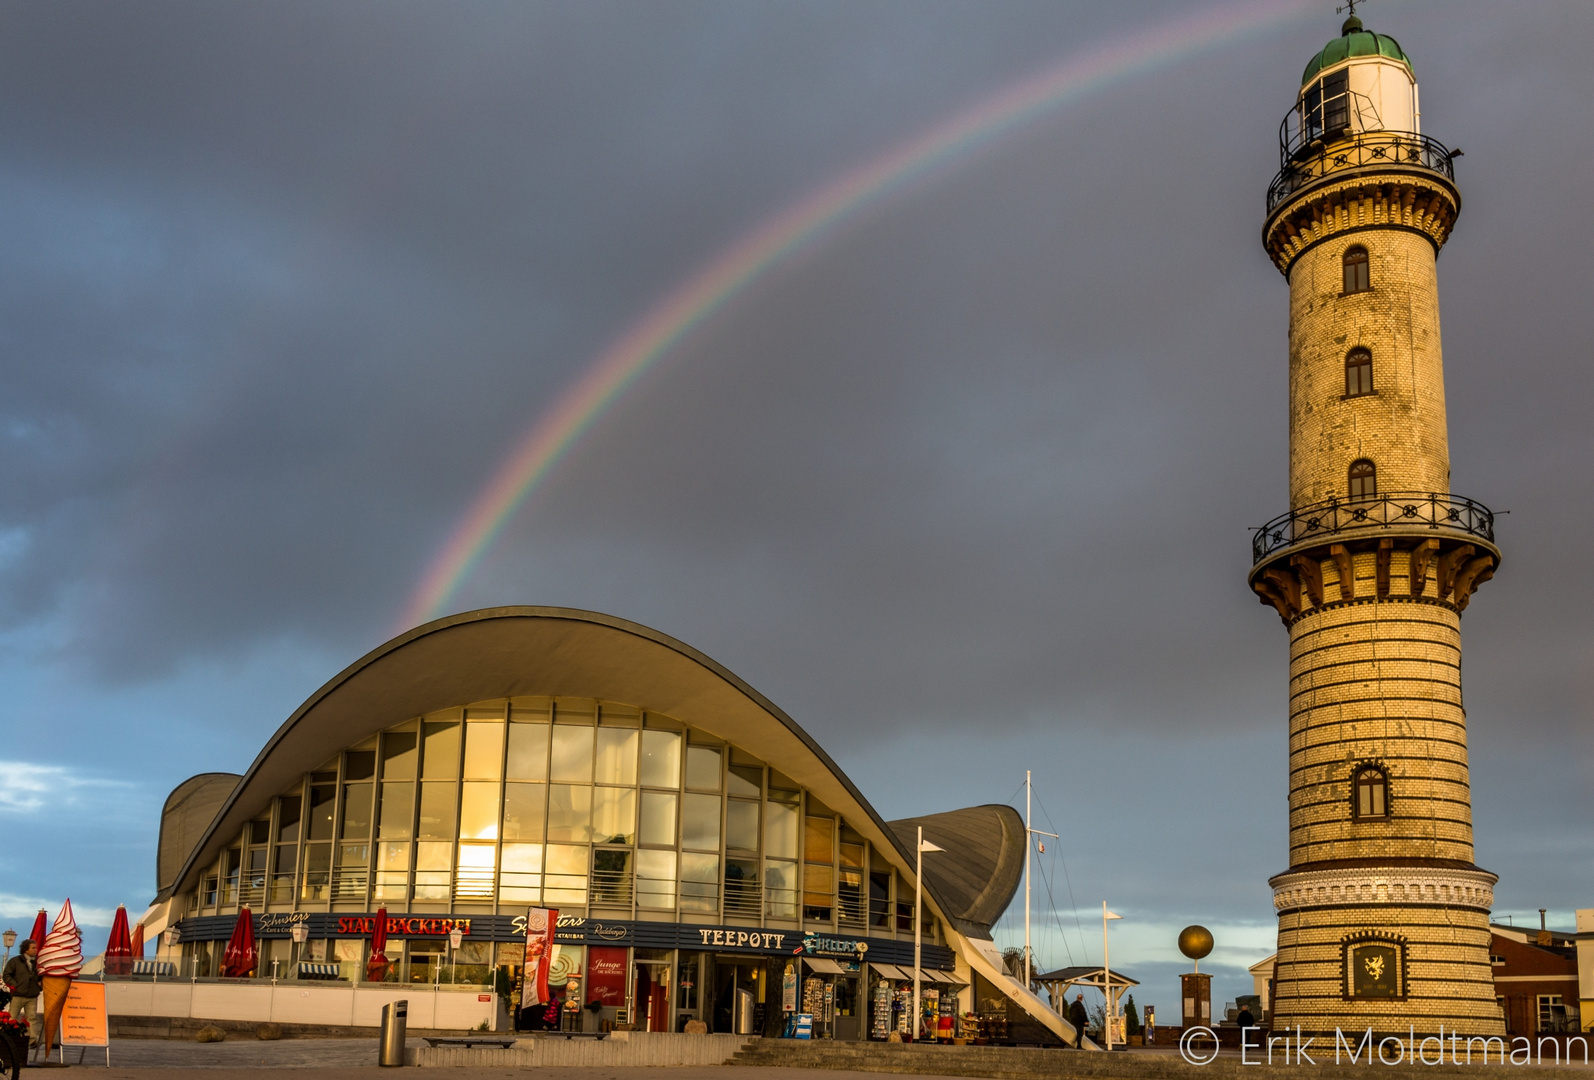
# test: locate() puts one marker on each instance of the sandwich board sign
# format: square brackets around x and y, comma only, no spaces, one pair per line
[83,1021]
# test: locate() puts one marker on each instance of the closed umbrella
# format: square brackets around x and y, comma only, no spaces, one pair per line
[242,953]
[119,949]
[376,967]
[40,926]
[138,941]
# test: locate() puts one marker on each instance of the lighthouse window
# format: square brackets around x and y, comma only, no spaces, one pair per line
[1357,278]
[1372,793]
[1358,373]
[1363,479]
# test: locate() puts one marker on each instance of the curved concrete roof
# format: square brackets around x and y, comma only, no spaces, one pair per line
[190,807]
[521,651]
[987,845]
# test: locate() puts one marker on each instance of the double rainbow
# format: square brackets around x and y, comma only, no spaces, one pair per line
[681,311]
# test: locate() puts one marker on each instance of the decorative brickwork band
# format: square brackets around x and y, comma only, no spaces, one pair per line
[1403,886]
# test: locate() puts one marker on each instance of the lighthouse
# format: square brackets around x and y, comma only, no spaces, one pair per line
[1383,918]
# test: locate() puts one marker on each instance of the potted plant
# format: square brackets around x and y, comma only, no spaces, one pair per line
[1132,1027]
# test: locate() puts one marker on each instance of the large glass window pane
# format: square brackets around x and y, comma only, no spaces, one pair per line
[317,871]
[655,879]
[398,811]
[741,824]
[322,798]
[818,840]
[745,780]
[440,757]
[359,765]
[478,810]
[433,866]
[611,876]
[399,755]
[614,815]
[484,750]
[289,809]
[780,830]
[565,875]
[700,822]
[700,882]
[819,888]
[356,811]
[528,752]
[661,759]
[438,807]
[520,873]
[703,767]
[780,889]
[617,749]
[851,850]
[525,809]
[572,755]
[474,878]
[392,871]
[658,818]
[569,813]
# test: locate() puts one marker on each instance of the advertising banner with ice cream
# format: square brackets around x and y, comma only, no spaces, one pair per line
[540,923]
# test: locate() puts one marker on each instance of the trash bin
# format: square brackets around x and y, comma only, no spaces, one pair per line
[744,1012]
[393,1023]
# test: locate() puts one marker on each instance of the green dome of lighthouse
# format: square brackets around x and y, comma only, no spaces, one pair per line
[1354,41]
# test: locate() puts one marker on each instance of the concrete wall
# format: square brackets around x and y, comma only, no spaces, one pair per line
[302,1003]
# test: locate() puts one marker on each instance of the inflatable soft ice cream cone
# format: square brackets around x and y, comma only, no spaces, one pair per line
[60,960]
[55,988]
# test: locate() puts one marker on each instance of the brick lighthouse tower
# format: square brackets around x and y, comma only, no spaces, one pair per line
[1383,917]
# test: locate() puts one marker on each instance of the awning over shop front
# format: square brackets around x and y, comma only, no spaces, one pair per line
[824,967]
[945,978]
[890,971]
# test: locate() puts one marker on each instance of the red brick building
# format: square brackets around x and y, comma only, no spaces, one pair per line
[1535,979]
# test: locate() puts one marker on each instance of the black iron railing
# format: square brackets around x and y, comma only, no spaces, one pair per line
[1309,164]
[1390,510]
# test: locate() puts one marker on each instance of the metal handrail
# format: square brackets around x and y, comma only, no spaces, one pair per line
[1359,151]
[1387,510]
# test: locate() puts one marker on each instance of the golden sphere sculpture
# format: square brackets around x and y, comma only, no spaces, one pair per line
[1195,941]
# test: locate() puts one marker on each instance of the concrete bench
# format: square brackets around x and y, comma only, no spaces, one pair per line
[471,1043]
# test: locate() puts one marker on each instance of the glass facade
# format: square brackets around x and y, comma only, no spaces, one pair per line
[591,807]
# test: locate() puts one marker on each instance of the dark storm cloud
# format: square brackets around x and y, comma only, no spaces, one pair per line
[964,487]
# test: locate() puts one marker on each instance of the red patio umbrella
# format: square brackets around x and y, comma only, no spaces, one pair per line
[138,941]
[119,949]
[376,967]
[41,926]
[242,953]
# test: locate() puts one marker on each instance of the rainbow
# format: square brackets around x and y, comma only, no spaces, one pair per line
[680,312]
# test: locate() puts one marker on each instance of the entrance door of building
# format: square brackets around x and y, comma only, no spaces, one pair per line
[735,976]
[653,995]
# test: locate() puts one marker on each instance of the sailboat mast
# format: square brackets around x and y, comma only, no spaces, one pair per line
[1028,839]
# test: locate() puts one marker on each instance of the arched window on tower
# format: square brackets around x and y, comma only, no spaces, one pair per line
[1358,373]
[1357,277]
[1363,479]
[1370,794]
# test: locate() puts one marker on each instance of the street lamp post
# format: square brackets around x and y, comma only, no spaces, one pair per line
[10,939]
[300,934]
[918,902]
[456,937]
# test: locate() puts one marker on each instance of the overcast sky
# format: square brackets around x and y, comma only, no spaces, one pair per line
[965,487]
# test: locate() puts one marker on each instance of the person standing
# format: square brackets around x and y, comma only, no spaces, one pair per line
[1079,1018]
[21,976]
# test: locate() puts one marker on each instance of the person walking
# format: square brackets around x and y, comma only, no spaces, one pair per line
[21,977]
[1245,1021]
[1079,1018]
